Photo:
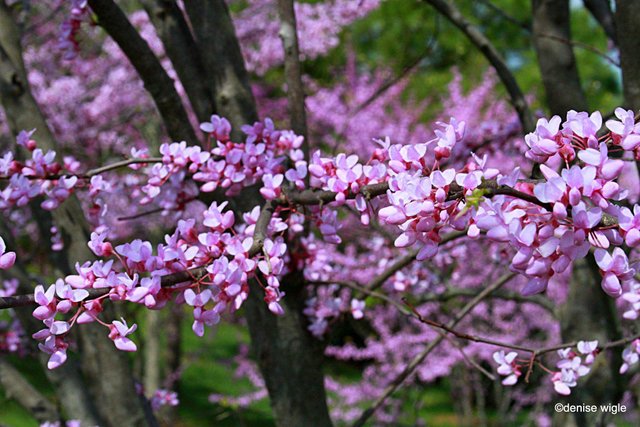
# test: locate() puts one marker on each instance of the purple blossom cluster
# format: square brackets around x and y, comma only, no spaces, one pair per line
[30,179]
[318,24]
[162,397]
[548,223]
[572,364]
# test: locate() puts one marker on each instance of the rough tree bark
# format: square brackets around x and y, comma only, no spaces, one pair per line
[293,70]
[176,36]
[160,85]
[555,56]
[628,32]
[601,11]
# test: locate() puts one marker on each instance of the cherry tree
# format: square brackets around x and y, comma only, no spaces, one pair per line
[277,220]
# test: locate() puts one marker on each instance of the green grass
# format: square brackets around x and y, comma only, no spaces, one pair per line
[212,372]
[13,415]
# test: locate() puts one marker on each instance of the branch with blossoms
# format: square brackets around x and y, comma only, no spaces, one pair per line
[550,222]
[563,349]
[419,358]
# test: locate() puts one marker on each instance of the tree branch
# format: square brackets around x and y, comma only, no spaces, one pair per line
[557,62]
[181,48]
[601,11]
[156,80]
[97,171]
[582,45]
[543,302]
[416,361]
[451,12]
[222,59]
[522,24]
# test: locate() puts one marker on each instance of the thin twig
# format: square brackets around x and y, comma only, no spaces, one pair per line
[416,361]
[93,172]
[522,24]
[583,46]
[451,12]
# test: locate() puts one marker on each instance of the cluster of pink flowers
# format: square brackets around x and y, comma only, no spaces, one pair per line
[572,364]
[228,165]
[573,367]
[216,245]
[546,236]
[162,397]
[318,24]
[70,28]
[38,176]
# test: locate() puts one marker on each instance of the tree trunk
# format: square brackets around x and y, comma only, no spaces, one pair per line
[551,39]
[289,358]
[628,32]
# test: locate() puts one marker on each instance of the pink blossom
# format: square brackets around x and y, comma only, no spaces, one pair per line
[615,269]
[507,366]
[118,334]
[7,259]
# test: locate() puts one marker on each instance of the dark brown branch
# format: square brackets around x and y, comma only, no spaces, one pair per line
[156,80]
[389,83]
[496,343]
[601,11]
[556,59]
[465,336]
[222,59]
[522,24]
[451,12]
[97,171]
[181,48]
[540,300]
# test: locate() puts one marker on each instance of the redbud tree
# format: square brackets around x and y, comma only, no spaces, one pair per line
[175,157]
